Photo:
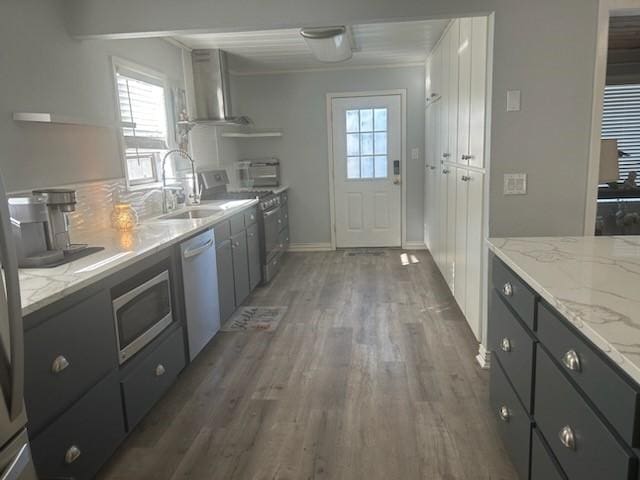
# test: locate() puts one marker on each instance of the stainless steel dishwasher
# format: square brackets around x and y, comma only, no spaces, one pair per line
[200,279]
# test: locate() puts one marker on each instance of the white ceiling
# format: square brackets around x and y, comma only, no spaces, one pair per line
[285,50]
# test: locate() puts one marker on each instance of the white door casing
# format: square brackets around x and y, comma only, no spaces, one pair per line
[366,134]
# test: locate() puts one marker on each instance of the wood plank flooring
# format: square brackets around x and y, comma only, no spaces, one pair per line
[370,375]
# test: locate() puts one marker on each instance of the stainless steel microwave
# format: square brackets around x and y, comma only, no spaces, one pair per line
[142,313]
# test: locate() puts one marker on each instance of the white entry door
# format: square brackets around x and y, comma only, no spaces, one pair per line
[367,154]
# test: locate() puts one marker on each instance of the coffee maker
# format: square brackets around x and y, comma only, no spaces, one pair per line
[60,202]
[41,228]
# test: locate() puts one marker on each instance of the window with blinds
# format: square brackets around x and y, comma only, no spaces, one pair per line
[621,121]
[142,103]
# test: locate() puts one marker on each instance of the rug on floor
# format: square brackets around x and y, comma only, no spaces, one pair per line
[265,319]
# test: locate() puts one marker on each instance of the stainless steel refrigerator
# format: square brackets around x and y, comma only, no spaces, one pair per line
[15,456]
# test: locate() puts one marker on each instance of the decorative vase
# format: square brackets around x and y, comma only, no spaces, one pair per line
[123,217]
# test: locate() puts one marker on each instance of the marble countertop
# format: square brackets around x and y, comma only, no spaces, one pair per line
[42,286]
[593,281]
[276,190]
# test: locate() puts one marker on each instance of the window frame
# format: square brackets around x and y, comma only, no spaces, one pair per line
[154,76]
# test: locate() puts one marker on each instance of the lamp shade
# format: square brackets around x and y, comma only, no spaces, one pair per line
[328,44]
[609,170]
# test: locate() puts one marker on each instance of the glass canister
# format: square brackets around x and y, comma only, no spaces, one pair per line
[124,217]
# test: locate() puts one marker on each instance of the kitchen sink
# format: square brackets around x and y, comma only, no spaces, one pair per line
[193,214]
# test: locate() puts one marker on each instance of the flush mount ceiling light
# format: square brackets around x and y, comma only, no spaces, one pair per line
[328,44]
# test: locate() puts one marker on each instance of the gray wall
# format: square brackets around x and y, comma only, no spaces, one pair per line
[42,69]
[545,48]
[296,102]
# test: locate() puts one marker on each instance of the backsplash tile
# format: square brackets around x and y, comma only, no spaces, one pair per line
[95,202]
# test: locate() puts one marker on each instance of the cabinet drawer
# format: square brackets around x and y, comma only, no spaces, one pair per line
[514,291]
[66,355]
[590,450]
[222,231]
[513,422]
[511,342]
[237,223]
[250,216]
[612,394]
[153,377]
[544,466]
[93,427]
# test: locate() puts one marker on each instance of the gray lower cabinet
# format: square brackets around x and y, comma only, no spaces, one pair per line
[152,377]
[253,252]
[78,442]
[584,408]
[226,288]
[240,266]
[66,355]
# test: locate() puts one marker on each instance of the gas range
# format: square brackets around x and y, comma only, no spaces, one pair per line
[268,200]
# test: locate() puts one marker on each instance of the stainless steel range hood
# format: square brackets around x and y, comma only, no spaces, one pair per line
[212,89]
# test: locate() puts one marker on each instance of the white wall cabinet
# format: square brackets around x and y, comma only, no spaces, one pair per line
[455,122]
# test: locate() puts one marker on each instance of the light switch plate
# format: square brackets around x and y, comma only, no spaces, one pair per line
[415,153]
[513,100]
[515,183]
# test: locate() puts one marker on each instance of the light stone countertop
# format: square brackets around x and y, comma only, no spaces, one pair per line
[593,281]
[43,286]
[277,190]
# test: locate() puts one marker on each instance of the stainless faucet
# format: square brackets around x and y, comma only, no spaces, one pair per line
[195,196]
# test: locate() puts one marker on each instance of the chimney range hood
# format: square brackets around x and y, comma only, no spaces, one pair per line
[212,89]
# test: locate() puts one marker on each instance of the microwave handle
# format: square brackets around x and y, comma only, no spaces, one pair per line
[192,252]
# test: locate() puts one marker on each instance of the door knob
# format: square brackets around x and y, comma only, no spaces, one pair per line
[72,454]
[507,289]
[571,360]
[567,437]
[160,370]
[59,364]
[505,345]
[504,413]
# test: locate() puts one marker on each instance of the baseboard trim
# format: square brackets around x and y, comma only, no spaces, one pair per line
[483,357]
[413,245]
[310,247]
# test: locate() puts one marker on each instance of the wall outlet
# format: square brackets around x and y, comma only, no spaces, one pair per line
[415,153]
[515,183]
[513,100]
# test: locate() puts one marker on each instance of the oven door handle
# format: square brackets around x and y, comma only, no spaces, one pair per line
[192,252]
[271,212]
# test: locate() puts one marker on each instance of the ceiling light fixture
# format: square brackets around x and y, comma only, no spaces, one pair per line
[328,44]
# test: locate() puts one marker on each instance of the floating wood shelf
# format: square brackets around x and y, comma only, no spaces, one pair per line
[54,118]
[253,134]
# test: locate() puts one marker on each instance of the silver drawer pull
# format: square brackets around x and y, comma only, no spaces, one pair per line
[59,364]
[567,437]
[72,454]
[160,370]
[279,220]
[504,413]
[507,289]
[571,360]
[505,345]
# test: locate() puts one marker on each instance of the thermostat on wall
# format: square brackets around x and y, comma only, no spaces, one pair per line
[515,183]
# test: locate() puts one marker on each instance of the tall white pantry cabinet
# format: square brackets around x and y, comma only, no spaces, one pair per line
[456,91]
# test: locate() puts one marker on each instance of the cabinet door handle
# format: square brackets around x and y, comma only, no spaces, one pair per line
[446,155]
[72,454]
[504,413]
[467,157]
[465,178]
[59,364]
[507,289]
[160,370]
[567,437]
[432,167]
[251,235]
[445,171]
[505,345]
[279,220]
[571,360]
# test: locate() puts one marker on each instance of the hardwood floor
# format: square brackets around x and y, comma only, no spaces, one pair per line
[370,375]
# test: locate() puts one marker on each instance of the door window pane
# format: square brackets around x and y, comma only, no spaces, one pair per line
[366,143]
[380,143]
[353,167]
[353,144]
[353,121]
[381,166]
[366,120]
[366,151]
[380,119]
[367,167]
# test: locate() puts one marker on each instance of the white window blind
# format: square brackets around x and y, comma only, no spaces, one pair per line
[144,123]
[621,121]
